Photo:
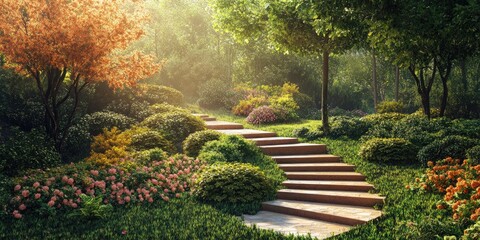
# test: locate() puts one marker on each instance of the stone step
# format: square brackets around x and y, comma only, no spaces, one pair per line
[200,115]
[296,148]
[323,167]
[312,158]
[273,140]
[209,119]
[289,224]
[248,133]
[342,214]
[335,197]
[358,186]
[345,176]
[222,125]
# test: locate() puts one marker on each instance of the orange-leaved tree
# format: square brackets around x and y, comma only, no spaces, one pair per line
[64,45]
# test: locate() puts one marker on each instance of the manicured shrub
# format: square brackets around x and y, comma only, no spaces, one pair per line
[233,183]
[163,108]
[154,94]
[261,115]
[146,157]
[111,148]
[451,146]
[285,108]
[236,149]
[301,132]
[177,126]
[463,127]
[373,119]
[346,126]
[473,154]
[389,107]
[59,189]
[27,150]
[245,107]
[151,139]
[99,120]
[195,141]
[215,94]
[77,143]
[388,150]
[135,109]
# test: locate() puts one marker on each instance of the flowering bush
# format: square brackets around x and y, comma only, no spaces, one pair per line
[263,114]
[245,107]
[61,188]
[459,181]
[285,108]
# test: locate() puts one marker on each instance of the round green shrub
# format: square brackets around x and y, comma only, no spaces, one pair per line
[389,107]
[28,150]
[135,109]
[473,154]
[388,150]
[373,119]
[212,157]
[151,139]
[451,146]
[99,120]
[154,94]
[177,126]
[347,126]
[145,157]
[163,108]
[233,183]
[195,141]
[77,143]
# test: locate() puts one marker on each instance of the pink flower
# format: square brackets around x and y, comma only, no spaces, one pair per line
[127,199]
[94,172]
[36,184]
[45,188]
[17,187]
[166,190]
[25,193]
[124,232]
[17,215]
[114,187]
[37,195]
[119,185]
[74,205]
[177,195]
[22,207]
[65,202]
[51,203]
[64,179]
[154,181]
[70,181]
[112,170]
[150,200]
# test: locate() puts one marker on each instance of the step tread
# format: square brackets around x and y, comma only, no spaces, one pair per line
[248,132]
[333,164]
[289,224]
[272,138]
[305,156]
[200,115]
[333,193]
[328,182]
[216,122]
[364,214]
[324,173]
[293,145]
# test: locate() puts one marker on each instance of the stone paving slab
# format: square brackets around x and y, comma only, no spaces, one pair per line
[289,224]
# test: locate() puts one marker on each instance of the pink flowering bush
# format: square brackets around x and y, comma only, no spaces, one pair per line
[260,115]
[60,188]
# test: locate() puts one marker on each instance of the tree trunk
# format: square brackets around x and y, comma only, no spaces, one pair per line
[463,69]
[326,127]
[374,80]
[444,72]
[397,83]
[424,88]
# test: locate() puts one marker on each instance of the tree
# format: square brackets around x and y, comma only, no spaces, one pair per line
[309,27]
[65,45]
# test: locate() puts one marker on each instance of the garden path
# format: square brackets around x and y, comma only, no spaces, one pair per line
[322,196]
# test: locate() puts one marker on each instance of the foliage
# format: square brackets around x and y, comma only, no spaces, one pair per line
[389,107]
[163,108]
[236,149]
[146,157]
[346,126]
[459,182]
[155,94]
[374,119]
[388,150]
[27,150]
[195,141]
[61,57]
[215,94]
[92,207]
[77,143]
[99,120]
[59,189]
[151,139]
[473,154]
[245,107]
[261,115]
[177,126]
[450,146]
[285,108]
[233,183]
[472,232]
[463,127]
[110,148]
[177,219]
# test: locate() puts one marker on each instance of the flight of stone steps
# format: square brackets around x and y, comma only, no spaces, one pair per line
[322,196]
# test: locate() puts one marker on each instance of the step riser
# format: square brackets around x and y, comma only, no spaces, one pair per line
[258,135]
[311,215]
[318,168]
[276,142]
[209,119]
[328,187]
[308,160]
[355,201]
[326,177]
[315,149]
[224,127]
